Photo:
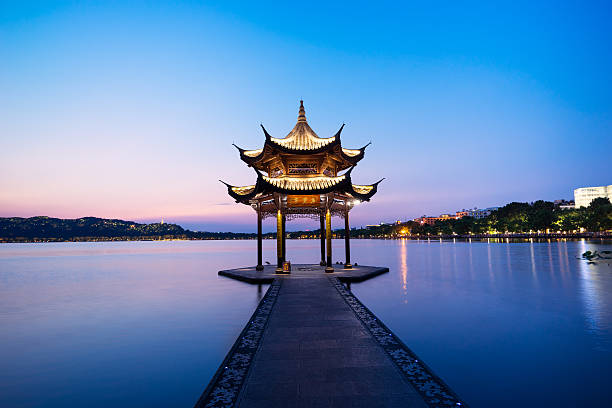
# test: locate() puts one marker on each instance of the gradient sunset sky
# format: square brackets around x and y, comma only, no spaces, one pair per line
[130,112]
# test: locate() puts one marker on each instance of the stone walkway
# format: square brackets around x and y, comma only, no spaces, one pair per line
[311,343]
[316,353]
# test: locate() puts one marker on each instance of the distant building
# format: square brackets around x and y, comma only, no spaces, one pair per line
[432,220]
[426,220]
[565,204]
[374,226]
[477,213]
[584,195]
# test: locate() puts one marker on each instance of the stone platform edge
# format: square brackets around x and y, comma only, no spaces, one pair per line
[379,270]
[244,278]
[224,387]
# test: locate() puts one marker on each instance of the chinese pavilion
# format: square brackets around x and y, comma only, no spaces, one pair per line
[298,176]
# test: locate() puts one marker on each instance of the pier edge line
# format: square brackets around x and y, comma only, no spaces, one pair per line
[225,386]
[432,388]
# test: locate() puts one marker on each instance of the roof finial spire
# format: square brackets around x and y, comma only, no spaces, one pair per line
[302,114]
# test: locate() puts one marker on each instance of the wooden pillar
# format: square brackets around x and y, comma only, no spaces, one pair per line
[259,266]
[347,241]
[328,236]
[322,218]
[279,241]
[284,237]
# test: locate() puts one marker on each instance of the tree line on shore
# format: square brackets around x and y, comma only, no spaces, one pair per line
[537,217]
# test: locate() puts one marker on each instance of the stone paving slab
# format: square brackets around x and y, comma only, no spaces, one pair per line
[316,352]
[358,273]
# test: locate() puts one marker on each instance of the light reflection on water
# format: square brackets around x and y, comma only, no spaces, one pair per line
[403,255]
[507,324]
[147,323]
[596,301]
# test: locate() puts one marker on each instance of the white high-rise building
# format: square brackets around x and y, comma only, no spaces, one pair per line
[583,196]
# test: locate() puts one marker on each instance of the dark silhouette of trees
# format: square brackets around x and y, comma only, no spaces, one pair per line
[539,216]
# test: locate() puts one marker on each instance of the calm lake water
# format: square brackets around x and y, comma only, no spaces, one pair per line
[134,324]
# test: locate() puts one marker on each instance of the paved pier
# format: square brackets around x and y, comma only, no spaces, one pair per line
[311,343]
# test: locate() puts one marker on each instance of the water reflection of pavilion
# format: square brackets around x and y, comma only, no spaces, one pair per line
[302,180]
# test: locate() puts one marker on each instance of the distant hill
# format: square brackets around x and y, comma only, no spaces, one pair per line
[16,229]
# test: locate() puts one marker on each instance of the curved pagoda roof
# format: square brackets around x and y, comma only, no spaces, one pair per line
[302,140]
[265,186]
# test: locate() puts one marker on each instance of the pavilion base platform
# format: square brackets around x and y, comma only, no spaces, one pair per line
[357,273]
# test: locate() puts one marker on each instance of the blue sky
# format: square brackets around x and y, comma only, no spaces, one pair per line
[130,111]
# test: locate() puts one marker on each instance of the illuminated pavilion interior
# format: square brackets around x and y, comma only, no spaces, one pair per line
[298,176]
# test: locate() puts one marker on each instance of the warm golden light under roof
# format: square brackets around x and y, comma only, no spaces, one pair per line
[351,152]
[310,183]
[302,139]
[243,190]
[362,189]
[253,153]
